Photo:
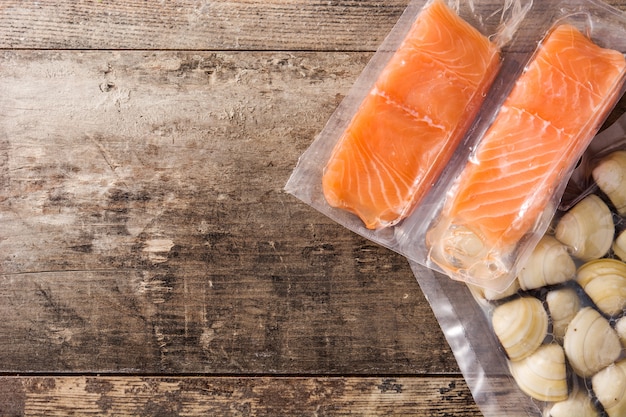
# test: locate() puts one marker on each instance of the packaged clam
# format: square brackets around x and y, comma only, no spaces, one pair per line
[560,328]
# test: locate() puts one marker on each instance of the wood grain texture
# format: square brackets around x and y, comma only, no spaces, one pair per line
[234,396]
[145,228]
[198,24]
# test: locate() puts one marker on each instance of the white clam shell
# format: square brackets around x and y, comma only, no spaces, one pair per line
[619,245]
[487,294]
[590,342]
[587,229]
[609,385]
[521,325]
[578,404]
[563,304]
[620,328]
[549,263]
[542,375]
[604,281]
[610,175]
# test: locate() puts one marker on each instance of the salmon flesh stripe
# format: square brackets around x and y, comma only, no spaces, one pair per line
[412,120]
[541,130]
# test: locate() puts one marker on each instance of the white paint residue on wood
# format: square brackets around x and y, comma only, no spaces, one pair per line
[157,249]
[158,245]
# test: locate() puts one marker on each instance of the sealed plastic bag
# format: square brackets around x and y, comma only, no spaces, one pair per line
[396,132]
[553,343]
[466,328]
[535,315]
[499,204]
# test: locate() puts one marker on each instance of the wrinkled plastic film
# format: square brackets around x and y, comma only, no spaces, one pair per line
[487,18]
[475,348]
[557,279]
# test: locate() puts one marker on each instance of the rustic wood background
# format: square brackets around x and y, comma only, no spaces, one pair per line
[150,262]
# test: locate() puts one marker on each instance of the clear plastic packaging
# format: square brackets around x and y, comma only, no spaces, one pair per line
[476,349]
[498,205]
[553,344]
[419,216]
[381,88]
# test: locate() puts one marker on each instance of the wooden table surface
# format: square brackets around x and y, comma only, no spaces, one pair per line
[151,263]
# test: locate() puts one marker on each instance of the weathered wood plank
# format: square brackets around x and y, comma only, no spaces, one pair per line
[198,24]
[235,396]
[144,226]
[296,25]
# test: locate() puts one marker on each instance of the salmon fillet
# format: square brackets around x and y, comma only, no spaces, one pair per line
[543,127]
[408,126]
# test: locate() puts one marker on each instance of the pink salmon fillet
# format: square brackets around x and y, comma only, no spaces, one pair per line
[540,132]
[407,128]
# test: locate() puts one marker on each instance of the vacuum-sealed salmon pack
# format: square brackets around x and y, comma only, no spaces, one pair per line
[454,146]
[554,343]
[397,130]
[501,200]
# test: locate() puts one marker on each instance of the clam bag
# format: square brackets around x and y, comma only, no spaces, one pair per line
[553,344]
